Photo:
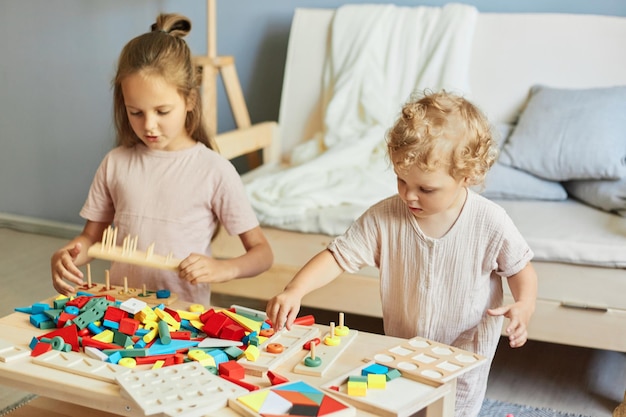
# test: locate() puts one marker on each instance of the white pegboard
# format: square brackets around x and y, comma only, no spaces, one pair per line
[184,390]
[10,352]
[79,364]
[328,355]
[292,341]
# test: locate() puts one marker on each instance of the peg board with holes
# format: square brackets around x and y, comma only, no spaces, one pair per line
[187,389]
[430,360]
[424,367]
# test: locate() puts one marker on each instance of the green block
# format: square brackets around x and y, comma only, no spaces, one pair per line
[393,374]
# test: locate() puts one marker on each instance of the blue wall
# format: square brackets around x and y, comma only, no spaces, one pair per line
[58,58]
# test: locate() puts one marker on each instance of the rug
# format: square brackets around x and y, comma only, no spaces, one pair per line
[492,408]
[17,404]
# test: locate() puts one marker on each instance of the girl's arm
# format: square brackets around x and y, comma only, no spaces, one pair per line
[65,261]
[523,287]
[318,272]
[258,258]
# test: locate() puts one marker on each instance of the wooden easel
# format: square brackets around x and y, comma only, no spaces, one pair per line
[247,138]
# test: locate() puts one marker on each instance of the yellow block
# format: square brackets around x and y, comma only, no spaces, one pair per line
[165,316]
[254,400]
[357,388]
[202,357]
[104,336]
[249,324]
[376,381]
[252,353]
[188,315]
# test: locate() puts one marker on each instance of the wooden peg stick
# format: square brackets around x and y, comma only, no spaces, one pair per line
[341,330]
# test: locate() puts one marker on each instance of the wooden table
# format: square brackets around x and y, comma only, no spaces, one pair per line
[67,394]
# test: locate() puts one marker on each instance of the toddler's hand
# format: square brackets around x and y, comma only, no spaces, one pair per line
[63,268]
[283,309]
[519,314]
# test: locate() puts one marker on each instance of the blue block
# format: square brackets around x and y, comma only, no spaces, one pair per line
[374,369]
[40,308]
[219,356]
[115,357]
[27,310]
[37,319]
[94,329]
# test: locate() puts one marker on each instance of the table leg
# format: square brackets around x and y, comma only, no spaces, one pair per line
[444,407]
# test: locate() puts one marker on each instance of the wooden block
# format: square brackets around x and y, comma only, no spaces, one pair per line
[328,354]
[291,398]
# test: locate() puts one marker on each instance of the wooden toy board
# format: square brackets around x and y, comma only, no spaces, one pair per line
[403,396]
[135,257]
[187,389]
[79,364]
[291,398]
[328,355]
[429,360]
[10,352]
[292,341]
[122,294]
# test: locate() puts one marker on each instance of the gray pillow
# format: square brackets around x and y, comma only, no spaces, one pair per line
[506,183]
[606,195]
[570,134]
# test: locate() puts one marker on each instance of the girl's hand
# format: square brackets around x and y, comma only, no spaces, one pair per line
[283,309]
[197,268]
[64,268]
[519,314]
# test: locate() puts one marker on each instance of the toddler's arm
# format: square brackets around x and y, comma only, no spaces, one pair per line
[523,286]
[319,271]
[65,261]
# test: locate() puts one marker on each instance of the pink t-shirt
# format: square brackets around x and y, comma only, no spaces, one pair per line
[172,199]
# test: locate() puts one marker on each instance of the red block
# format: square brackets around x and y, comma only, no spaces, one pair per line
[129,326]
[69,334]
[232,369]
[88,341]
[232,331]
[64,318]
[173,313]
[41,348]
[115,314]
[214,324]
[276,379]
[204,317]
[79,301]
[243,384]
[181,335]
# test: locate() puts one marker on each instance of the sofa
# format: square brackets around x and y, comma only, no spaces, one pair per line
[525,69]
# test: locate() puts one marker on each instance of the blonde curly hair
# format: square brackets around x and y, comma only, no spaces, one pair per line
[442,129]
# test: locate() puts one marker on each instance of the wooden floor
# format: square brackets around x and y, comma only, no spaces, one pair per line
[576,380]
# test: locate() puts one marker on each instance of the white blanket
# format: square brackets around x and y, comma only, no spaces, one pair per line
[379,55]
